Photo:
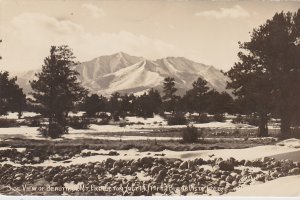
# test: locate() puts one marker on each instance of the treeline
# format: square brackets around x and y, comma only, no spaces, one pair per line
[199,99]
[265,81]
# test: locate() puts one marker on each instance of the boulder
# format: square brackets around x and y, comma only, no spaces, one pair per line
[155,169]
[161,175]
[234,183]
[226,166]
[222,183]
[229,179]
[183,165]
[248,163]
[295,171]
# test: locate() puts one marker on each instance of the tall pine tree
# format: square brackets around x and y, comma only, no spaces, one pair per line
[56,89]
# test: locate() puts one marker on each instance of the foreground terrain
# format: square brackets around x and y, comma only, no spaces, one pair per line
[148,158]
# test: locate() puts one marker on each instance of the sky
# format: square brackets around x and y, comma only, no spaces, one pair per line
[204,31]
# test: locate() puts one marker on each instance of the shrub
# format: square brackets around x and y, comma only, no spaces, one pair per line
[190,134]
[219,118]
[238,120]
[34,122]
[116,118]
[6,123]
[252,120]
[54,130]
[103,122]
[79,122]
[203,118]
[177,120]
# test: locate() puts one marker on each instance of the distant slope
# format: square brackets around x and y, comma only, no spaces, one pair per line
[130,74]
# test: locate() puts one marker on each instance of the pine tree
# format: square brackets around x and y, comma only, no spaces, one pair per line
[268,73]
[196,99]
[94,104]
[169,97]
[56,89]
[12,97]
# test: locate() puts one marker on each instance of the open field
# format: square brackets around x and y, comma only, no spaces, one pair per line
[143,158]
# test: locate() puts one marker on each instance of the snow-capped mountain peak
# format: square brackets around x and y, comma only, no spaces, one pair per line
[131,74]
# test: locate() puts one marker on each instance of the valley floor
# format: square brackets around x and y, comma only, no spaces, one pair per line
[148,158]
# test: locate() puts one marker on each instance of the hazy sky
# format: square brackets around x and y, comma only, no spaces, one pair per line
[204,31]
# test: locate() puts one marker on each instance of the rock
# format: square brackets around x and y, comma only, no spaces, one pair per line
[223,177]
[109,162]
[115,170]
[265,159]
[257,163]
[155,169]
[118,163]
[222,183]
[161,175]
[274,174]
[191,165]
[176,176]
[183,165]
[36,159]
[177,163]
[226,166]
[229,179]
[242,162]
[148,161]
[113,153]
[295,171]
[234,183]
[248,163]
[238,177]
[229,186]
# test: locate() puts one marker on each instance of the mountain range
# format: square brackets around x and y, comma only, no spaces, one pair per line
[124,73]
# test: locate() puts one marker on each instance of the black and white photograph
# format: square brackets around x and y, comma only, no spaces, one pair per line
[149,98]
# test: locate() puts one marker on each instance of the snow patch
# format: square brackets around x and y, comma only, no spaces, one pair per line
[285,186]
[293,143]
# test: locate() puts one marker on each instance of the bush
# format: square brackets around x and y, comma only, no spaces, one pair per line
[6,123]
[79,122]
[190,134]
[103,122]
[54,130]
[35,122]
[219,118]
[238,120]
[103,115]
[203,118]
[252,120]
[116,118]
[177,120]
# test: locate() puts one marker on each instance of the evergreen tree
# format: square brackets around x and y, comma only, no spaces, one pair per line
[196,99]
[115,103]
[169,97]
[148,103]
[94,104]
[57,89]
[269,71]
[12,97]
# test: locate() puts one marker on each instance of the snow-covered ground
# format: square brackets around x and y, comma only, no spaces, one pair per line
[14,115]
[239,154]
[281,187]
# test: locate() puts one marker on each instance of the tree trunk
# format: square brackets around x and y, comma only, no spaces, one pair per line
[285,128]
[263,126]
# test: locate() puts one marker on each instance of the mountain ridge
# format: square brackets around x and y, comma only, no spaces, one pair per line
[121,72]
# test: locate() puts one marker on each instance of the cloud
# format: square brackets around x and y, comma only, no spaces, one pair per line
[29,36]
[233,13]
[95,11]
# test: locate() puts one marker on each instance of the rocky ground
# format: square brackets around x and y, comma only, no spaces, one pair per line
[143,176]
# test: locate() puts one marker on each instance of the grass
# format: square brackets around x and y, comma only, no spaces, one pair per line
[141,145]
